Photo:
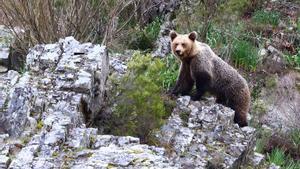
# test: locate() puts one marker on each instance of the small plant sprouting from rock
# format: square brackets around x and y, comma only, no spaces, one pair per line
[92,140]
[25,140]
[55,154]
[40,124]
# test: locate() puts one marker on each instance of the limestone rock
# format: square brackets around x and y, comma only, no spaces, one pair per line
[46,110]
[44,114]
[209,139]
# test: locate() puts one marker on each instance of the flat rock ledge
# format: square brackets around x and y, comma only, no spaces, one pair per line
[44,112]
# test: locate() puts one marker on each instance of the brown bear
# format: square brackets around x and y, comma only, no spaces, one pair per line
[200,65]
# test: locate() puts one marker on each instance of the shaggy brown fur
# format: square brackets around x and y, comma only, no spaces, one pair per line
[200,65]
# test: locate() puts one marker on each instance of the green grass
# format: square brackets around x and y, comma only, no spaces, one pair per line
[245,55]
[292,165]
[277,157]
[266,17]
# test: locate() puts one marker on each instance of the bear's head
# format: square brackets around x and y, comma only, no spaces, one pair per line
[183,45]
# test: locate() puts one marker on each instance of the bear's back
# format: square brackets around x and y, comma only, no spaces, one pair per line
[224,76]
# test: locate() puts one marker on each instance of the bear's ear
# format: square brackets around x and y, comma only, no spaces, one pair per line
[173,35]
[193,36]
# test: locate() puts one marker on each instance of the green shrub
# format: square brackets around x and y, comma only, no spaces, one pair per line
[266,17]
[169,72]
[143,39]
[244,54]
[140,108]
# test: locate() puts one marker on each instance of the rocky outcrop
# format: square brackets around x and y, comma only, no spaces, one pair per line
[163,42]
[45,110]
[44,114]
[202,135]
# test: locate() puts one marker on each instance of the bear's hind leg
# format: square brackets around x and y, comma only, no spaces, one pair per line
[240,104]
[240,117]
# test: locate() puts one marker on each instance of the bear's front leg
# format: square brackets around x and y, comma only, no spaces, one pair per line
[184,82]
[203,80]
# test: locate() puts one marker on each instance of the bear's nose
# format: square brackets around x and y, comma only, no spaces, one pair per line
[177,52]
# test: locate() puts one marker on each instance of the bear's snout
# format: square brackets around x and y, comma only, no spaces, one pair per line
[178,52]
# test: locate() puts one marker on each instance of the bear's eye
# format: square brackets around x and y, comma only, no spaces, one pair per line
[176,44]
[183,45]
